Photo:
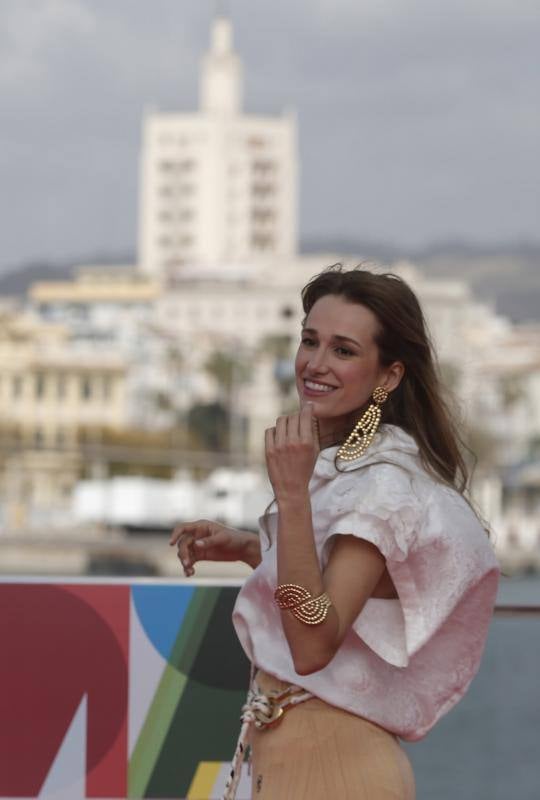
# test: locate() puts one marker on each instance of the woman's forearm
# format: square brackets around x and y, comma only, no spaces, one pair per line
[311,646]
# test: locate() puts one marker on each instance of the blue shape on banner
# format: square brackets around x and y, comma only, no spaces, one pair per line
[161,610]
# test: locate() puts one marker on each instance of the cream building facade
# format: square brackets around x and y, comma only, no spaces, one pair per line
[50,391]
[217,186]
[50,388]
[165,335]
[99,300]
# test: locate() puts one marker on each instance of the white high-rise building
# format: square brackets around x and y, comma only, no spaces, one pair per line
[218,186]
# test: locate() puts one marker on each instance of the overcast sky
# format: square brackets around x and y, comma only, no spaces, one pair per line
[418,119]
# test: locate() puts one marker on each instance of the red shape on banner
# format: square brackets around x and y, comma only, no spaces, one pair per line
[58,644]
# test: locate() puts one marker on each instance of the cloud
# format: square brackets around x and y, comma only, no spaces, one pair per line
[417,119]
[31,31]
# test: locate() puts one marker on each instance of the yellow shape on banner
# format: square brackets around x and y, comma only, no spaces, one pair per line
[204,781]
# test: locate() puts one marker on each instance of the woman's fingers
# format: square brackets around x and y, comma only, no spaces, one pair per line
[288,430]
[215,539]
[309,427]
[185,537]
[269,439]
[294,428]
[281,431]
[197,529]
[185,553]
[181,530]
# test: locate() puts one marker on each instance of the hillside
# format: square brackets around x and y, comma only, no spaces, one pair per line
[508,275]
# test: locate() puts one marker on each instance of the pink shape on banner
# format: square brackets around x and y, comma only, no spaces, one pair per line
[60,643]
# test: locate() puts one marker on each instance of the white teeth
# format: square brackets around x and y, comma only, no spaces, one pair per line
[318,387]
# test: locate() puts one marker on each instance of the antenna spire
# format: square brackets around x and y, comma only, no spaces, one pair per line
[221,8]
[221,75]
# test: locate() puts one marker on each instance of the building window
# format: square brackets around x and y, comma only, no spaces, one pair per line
[86,388]
[17,386]
[256,142]
[166,166]
[39,386]
[260,241]
[262,190]
[107,387]
[39,439]
[61,387]
[186,214]
[263,168]
[260,216]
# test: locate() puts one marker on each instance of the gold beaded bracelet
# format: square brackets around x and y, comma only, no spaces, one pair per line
[301,603]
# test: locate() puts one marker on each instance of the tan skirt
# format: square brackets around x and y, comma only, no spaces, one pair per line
[318,752]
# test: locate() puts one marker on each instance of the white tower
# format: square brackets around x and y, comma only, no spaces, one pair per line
[221,75]
[217,186]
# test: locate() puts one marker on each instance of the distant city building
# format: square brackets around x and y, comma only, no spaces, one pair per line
[50,390]
[217,186]
[97,300]
[50,387]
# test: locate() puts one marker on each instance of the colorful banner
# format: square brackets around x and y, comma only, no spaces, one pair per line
[111,690]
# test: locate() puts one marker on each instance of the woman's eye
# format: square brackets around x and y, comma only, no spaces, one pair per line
[308,342]
[344,351]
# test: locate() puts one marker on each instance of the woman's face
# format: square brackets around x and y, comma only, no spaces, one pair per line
[337,364]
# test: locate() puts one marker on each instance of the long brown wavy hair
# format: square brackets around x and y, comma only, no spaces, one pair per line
[417,405]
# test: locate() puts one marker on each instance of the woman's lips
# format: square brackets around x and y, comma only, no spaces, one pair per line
[316,389]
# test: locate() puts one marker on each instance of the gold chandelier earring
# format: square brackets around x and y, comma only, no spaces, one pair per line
[365,429]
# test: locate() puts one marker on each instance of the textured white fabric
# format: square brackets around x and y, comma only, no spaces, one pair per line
[406,661]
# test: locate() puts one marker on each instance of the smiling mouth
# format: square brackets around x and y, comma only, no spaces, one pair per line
[318,387]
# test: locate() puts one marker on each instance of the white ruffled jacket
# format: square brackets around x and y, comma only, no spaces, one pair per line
[405,662]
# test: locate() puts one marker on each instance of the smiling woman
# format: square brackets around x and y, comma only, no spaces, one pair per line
[337,372]
[365,618]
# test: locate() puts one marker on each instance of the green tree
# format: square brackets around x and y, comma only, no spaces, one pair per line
[209,425]
[227,370]
[230,371]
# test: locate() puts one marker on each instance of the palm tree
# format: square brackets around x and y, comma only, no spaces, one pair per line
[230,371]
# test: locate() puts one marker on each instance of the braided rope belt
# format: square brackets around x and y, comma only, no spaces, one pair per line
[262,711]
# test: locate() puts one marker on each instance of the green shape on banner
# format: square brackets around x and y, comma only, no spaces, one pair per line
[206,721]
[170,689]
[214,722]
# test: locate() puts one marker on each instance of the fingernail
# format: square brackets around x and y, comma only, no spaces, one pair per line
[199,543]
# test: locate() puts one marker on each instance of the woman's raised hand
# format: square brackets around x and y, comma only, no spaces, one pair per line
[291,448]
[203,540]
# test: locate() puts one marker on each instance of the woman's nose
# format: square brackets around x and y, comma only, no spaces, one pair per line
[317,361]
